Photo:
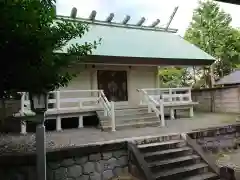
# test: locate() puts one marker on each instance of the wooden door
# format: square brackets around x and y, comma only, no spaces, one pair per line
[114,84]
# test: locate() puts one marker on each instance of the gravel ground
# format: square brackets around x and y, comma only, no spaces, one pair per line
[24,144]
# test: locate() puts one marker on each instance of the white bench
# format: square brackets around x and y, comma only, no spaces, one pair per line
[176,102]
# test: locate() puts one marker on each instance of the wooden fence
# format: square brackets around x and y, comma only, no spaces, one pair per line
[224,99]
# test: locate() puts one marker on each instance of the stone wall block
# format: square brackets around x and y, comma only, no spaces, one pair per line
[67,162]
[122,161]
[107,174]
[95,157]
[98,167]
[118,154]
[89,167]
[74,171]
[118,171]
[83,177]
[108,164]
[95,176]
[81,160]
[60,174]
[54,165]
[107,155]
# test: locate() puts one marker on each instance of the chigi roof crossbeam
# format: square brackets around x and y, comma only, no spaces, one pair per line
[124,23]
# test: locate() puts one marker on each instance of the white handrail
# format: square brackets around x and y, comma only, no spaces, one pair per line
[174,95]
[113,117]
[180,88]
[108,108]
[152,105]
[60,97]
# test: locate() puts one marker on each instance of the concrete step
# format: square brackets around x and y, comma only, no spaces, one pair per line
[123,112]
[155,139]
[169,153]
[173,160]
[121,121]
[132,125]
[141,146]
[129,116]
[179,171]
[204,176]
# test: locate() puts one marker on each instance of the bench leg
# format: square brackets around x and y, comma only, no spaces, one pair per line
[58,123]
[80,121]
[191,114]
[172,113]
[23,127]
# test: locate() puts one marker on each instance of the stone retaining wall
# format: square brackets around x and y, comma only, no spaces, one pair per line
[102,165]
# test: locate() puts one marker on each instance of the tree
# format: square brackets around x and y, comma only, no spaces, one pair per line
[30,37]
[210,30]
[175,77]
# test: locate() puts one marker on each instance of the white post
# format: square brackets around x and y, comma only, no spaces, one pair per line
[190,95]
[181,97]
[23,127]
[140,96]
[105,112]
[80,121]
[191,114]
[170,95]
[58,100]
[172,113]
[80,105]
[22,102]
[113,116]
[162,113]
[58,123]
[149,108]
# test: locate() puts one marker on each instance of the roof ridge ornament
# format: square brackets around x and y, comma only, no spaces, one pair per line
[110,17]
[124,24]
[141,21]
[155,23]
[73,12]
[126,19]
[93,15]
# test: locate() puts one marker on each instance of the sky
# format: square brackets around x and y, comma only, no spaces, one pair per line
[150,9]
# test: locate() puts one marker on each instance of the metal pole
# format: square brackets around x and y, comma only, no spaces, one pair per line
[41,149]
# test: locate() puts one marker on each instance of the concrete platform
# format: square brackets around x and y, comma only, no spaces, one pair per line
[25,144]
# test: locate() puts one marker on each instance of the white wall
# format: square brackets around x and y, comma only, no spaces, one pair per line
[137,77]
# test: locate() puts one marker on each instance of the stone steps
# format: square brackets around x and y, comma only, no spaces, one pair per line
[171,158]
[179,171]
[169,151]
[132,125]
[204,176]
[123,112]
[120,118]
[161,143]
[129,118]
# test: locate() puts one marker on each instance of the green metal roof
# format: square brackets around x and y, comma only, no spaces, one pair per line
[136,42]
